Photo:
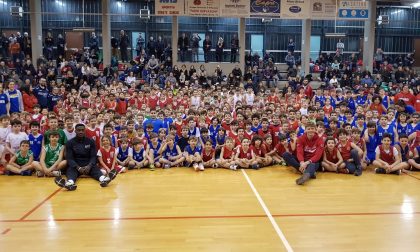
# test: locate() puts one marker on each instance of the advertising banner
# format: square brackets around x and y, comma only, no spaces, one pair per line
[203,8]
[234,8]
[265,8]
[323,9]
[295,9]
[169,7]
[353,9]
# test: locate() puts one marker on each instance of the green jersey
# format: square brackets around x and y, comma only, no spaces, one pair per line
[61,140]
[52,154]
[22,160]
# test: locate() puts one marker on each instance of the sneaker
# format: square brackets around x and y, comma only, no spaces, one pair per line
[358,172]
[283,163]
[214,165]
[255,167]
[61,182]
[305,177]
[344,171]
[56,173]
[201,167]
[195,166]
[26,173]
[112,174]
[122,170]
[231,167]
[380,171]
[397,172]
[69,185]
[152,167]
[40,174]
[235,167]
[105,182]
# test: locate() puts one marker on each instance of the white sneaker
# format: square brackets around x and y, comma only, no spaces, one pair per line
[56,173]
[232,167]
[166,166]
[69,182]
[235,166]
[122,170]
[214,165]
[195,166]
[201,167]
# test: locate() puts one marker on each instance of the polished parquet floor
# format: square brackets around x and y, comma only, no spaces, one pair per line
[216,210]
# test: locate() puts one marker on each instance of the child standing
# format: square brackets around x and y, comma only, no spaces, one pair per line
[35,139]
[154,151]
[14,138]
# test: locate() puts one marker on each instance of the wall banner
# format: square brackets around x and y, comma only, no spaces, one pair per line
[234,8]
[265,8]
[295,9]
[203,8]
[169,7]
[323,9]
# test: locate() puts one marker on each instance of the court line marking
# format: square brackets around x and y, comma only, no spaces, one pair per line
[39,205]
[6,231]
[409,173]
[206,217]
[267,212]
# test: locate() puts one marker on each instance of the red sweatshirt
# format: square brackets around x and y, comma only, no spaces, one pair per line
[309,149]
[409,98]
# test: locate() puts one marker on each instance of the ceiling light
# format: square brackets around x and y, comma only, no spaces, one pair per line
[416,5]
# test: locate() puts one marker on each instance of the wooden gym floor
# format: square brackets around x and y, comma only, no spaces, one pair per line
[216,210]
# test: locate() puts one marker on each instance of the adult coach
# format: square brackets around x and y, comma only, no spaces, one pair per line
[310,148]
[81,160]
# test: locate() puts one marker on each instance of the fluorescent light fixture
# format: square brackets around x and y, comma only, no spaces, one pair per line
[59,2]
[416,5]
[119,4]
[397,11]
[84,29]
[335,35]
[3,2]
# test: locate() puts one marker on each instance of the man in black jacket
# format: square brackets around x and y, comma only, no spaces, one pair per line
[124,42]
[183,43]
[81,160]
[207,48]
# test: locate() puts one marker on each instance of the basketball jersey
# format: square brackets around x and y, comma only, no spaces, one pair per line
[387,157]
[245,154]
[402,129]
[381,131]
[123,154]
[155,149]
[138,156]
[361,144]
[345,150]
[171,152]
[108,156]
[332,156]
[260,152]
[35,145]
[227,154]
[191,151]
[52,154]
[207,156]
[404,152]
[94,134]
[22,160]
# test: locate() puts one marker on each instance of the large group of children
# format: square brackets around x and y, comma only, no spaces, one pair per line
[219,127]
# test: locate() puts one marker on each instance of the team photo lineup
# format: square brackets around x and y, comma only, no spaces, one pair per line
[100,125]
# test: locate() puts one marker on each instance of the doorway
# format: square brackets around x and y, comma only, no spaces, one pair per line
[257,44]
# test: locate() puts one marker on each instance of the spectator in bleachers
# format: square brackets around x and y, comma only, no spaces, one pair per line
[195,41]
[207,45]
[234,46]
[183,45]
[291,46]
[124,43]
[290,60]
[61,45]
[219,49]
[379,58]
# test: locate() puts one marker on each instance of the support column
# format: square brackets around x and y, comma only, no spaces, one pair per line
[106,33]
[369,37]
[36,29]
[241,37]
[174,43]
[306,45]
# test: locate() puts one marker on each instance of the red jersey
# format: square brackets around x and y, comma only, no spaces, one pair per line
[259,152]
[387,157]
[162,103]
[178,125]
[280,150]
[275,132]
[328,110]
[112,105]
[121,106]
[94,134]
[417,105]
[153,101]
[332,156]
[207,156]
[227,154]
[273,99]
[361,144]
[345,150]
[108,156]
[408,97]
[263,133]
[249,135]
[245,154]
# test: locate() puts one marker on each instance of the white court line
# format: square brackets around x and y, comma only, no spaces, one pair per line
[267,212]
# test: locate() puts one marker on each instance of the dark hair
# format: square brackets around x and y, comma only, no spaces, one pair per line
[34,123]
[386,135]
[371,124]
[15,122]
[24,142]
[342,131]
[53,133]
[402,136]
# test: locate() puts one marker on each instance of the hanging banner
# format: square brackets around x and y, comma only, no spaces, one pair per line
[295,9]
[353,9]
[203,8]
[265,8]
[234,8]
[323,9]
[169,8]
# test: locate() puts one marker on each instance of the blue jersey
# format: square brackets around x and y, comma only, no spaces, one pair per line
[300,131]
[192,151]
[123,154]
[371,147]
[255,129]
[52,101]
[220,140]
[361,100]
[155,149]
[4,100]
[42,96]
[320,99]
[14,101]
[35,145]
[402,129]
[411,128]
[193,132]
[213,131]
[404,152]
[385,102]
[381,131]
[138,156]
[170,152]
